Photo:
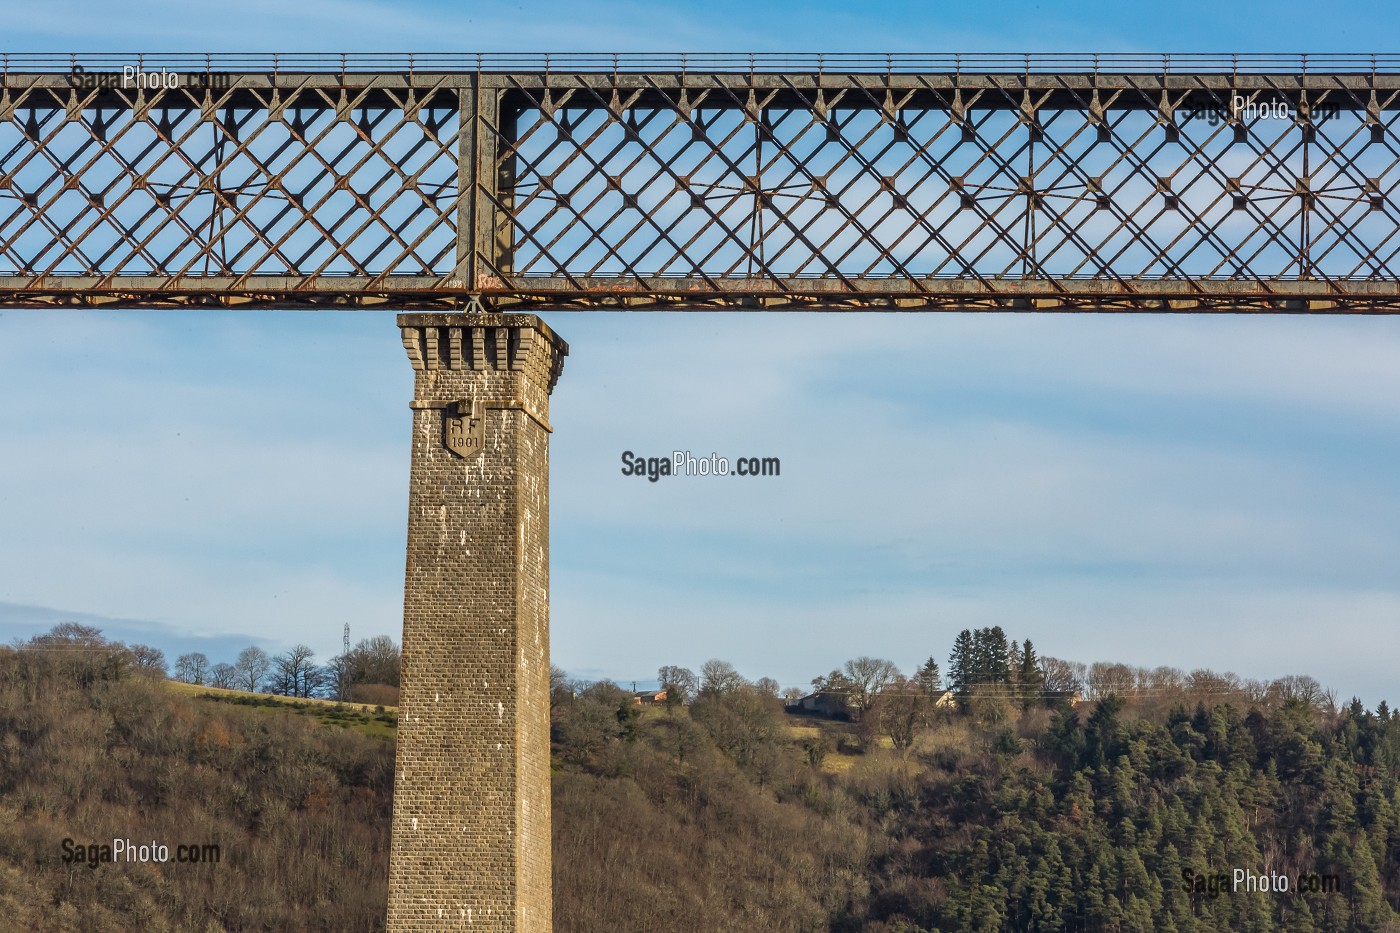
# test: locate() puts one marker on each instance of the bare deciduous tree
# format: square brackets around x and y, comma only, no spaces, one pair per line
[295,674]
[867,676]
[148,661]
[192,668]
[719,677]
[252,666]
[223,676]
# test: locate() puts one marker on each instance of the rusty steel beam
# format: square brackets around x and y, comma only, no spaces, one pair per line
[980,182]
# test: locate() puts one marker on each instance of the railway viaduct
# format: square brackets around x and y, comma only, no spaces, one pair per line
[466,192]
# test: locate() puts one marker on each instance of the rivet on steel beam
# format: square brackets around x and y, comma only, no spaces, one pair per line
[1238,201]
[74,107]
[956,108]
[411,105]
[1306,196]
[141,105]
[276,106]
[1030,116]
[1166,115]
[1372,189]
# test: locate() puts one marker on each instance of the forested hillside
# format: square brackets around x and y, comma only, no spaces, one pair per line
[1036,795]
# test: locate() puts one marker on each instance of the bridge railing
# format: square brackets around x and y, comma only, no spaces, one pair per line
[724,62]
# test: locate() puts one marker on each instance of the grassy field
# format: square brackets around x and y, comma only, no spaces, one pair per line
[838,737]
[361,717]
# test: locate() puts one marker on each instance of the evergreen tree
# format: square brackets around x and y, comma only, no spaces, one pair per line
[1030,679]
[961,670]
[994,656]
[930,680]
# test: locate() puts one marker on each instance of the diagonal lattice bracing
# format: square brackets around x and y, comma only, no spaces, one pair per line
[173,188]
[1089,182]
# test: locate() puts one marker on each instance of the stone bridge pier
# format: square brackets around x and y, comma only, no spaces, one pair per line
[471,825]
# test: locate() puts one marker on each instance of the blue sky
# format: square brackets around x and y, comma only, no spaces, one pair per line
[1194,491]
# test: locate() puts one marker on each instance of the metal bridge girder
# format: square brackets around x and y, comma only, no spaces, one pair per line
[1174,183]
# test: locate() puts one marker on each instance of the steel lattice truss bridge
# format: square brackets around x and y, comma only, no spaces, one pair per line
[1190,183]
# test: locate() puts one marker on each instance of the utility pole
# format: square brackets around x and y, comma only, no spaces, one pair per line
[344,685]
